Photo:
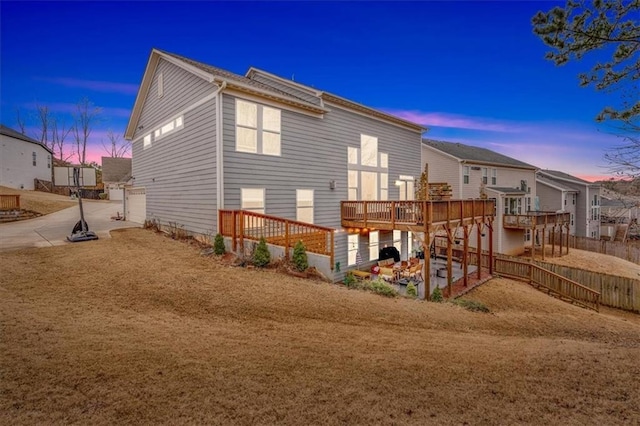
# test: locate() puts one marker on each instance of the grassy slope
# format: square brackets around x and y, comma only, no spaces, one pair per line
[140,328]
[40,202]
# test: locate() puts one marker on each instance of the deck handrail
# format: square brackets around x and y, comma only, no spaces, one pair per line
[414,211]
[534,218]
[244,224]
[9,202]
[551,281]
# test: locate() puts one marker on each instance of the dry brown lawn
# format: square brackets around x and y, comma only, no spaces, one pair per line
[141,329]
[595,262]
[40,202]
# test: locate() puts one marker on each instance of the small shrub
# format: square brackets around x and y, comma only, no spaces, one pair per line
[261,256]
[103,196]
[436,296]
[471,305]
[218,245]
[300,260]
[381,287]
[350,280]
[412,290]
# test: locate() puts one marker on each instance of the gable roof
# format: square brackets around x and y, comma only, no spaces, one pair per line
[7,131]
[116,169]
[476,154]
[227,79]
[558,175]
[553,183]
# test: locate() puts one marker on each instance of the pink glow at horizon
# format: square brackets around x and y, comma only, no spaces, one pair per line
[456,121]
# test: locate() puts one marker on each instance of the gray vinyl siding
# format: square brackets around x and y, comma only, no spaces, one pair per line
[290,89]
[443,168]
[550,198]
[179,169]
[313,153]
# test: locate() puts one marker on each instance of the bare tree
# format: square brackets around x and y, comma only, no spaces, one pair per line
[115,147]
[20,122]
[59,134]
[86,116]
[44,120]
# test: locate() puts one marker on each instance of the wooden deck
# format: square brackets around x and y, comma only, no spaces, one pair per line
[415,215]
[533,220]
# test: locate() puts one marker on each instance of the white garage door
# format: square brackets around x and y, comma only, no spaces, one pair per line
[136,205]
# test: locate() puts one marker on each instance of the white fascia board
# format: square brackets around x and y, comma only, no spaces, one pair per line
[299,86]
[207,76]
[147,78]
[273,101]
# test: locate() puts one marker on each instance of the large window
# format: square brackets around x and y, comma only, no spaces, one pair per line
[374,245]
[304,205]
[368,177]
[352,249]
[512,205]
[397,240]
[257,128]
[252,199]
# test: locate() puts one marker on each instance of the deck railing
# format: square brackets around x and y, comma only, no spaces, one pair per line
[9,202]
[413,212]
[552,282]
[533,219]
[243,224]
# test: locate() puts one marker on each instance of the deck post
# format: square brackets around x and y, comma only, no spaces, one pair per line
[534,232]
[333,249]
[479,248]
[241,217]
[426,250]
[490,225]
[544,233]
[465,260]
[553,241]
[449,262]
[567,239]
[286,239]
[234,232]
[561,241]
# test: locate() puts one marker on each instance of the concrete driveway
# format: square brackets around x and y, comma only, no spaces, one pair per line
[53,229]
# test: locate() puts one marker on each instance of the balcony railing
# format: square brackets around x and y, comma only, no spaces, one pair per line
[400,214]
[535,219]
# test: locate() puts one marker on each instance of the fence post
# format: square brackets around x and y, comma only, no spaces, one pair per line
[234,234]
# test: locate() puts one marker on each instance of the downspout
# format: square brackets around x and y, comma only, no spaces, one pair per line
[219,148]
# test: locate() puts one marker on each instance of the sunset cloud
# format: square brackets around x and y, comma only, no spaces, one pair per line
[94,85]
[442,119]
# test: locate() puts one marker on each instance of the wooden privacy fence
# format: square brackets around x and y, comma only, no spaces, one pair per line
[9,202]
[615,291]
[619,249]
[242,224]
[549,281]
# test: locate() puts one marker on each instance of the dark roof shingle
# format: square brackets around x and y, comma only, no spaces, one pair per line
[476,154]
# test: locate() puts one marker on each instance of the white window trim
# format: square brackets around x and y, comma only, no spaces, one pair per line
[259,129]
[178,124]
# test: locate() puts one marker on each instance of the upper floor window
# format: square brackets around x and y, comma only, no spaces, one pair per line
[304,205]
[485,175]
[34,158]
[369,150]
[465,174]
[167,128]
[258,128]
[160,85]
[48,161]
[494,176]
[147,141]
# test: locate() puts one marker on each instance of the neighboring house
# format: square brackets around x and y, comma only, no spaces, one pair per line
[22,160]
[116,173]
[474,172]
[206,141]
[559,190]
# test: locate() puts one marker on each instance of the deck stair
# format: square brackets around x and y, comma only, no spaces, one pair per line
[622,231]
[549,282]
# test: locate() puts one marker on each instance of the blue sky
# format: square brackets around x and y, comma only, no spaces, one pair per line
[472,72]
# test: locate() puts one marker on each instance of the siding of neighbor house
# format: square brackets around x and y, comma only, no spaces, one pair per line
[16,163]
[178,170]
[550,198]
[582,221]
[443,168]
[313,153]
